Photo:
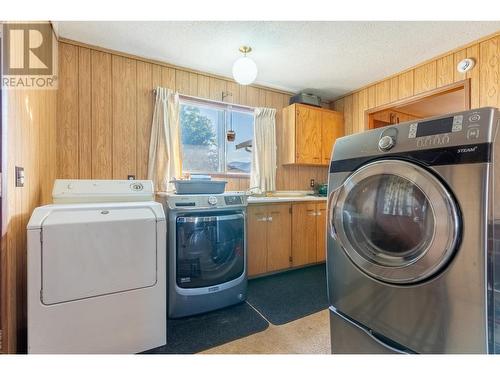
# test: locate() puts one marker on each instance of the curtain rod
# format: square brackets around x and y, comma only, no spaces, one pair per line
[212,101]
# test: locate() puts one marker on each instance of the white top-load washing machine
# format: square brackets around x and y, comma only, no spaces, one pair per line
[96,269]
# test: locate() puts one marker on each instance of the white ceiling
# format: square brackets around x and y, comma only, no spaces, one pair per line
[327,58]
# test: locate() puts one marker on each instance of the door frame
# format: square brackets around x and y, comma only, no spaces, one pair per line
[464,84]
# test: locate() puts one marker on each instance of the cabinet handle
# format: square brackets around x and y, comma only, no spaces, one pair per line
[270,218]
[263,219]
[311,213]
[318,213]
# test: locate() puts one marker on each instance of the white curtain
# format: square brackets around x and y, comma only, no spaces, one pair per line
[164,161]
[263,172]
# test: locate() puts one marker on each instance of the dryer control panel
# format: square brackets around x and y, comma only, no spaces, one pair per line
[100,191]
[451,131]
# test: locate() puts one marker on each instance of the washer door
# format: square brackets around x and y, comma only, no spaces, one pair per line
[395,221]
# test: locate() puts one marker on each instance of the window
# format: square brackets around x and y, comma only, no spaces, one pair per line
[205,148]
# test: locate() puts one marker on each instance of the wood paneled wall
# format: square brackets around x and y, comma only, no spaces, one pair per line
[30,131]
[106,106]
[439,72]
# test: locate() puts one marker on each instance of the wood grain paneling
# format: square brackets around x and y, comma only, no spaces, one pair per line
[124,116]
[30,136]
[355,112]
[252,97]
[382,93]
[425,78]
[186,82]
[489,72]
[233,91]
[67,130]
[167,77]
[457,57]
[405,85]
[445,69]
[102,99]
[394,83]
[203,87]
[474,75]
[348,114]
[84,114]
[182,82]
[102,138]
[144,116]
[217,87]
[362,107]
[372,96]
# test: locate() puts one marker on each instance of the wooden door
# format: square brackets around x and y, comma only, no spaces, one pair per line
[303,233]
[279,228]
[307,135]
[256,239]
[321,232]
[332,127]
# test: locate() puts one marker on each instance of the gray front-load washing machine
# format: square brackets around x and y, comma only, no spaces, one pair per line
[413,261]
[206,252]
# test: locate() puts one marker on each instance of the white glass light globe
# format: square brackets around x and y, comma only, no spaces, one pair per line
[244,70]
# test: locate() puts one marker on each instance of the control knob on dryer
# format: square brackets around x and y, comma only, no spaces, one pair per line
[386,143]
[212,201]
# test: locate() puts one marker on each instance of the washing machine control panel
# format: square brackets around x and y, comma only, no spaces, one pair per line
[200,201]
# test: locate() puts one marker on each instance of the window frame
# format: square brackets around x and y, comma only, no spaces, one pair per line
[227,109]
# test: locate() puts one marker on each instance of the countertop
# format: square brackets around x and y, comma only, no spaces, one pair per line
[278,197]
[283,198]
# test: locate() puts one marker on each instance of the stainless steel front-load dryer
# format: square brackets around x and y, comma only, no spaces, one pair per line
[413,261]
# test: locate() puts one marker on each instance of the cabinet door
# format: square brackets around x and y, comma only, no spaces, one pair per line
[321,232]
[256,239]
[308,135]
[303,234]
[279,228]
[332,127]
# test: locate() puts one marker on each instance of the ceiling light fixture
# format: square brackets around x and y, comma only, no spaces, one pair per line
[245,69]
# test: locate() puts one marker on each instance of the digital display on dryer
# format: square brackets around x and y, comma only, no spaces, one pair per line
[439,126]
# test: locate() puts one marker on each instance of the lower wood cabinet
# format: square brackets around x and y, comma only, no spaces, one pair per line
[268,238]
[284,235]
[308,233]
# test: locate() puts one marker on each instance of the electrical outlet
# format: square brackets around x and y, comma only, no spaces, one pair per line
[312,182]
[19,177]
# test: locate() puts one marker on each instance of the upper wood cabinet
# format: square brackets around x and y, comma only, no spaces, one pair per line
[309,134]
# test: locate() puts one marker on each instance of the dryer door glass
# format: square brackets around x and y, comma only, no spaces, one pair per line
[396,221]
[210,249]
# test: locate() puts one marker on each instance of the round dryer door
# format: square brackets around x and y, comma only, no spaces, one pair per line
[395,221]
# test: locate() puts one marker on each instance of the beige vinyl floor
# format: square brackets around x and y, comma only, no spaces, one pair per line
[308,335]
